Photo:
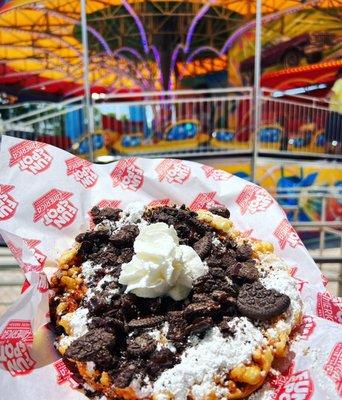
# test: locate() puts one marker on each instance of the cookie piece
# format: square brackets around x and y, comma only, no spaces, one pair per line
[161,360]
[108,324]
[125,237]
[225,328]
[195,310]
[256,302]
[243,272]
[124,373]
[148,322]
[203,246]
[221,211]
[141,345]
[177,326]
[244,252]
[199,325]
[96,345]
[98,215]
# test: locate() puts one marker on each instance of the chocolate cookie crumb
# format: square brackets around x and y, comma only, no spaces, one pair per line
[141,345]
[221,211]
[203,246]
[96,345]
[148,322]
[256,302]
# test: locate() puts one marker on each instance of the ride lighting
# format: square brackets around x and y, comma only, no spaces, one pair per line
[300,90]
[97,96]
[104,159]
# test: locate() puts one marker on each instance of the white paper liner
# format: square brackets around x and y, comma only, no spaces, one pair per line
[45,198]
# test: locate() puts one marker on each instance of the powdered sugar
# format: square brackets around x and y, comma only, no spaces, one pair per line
[265,393]
[281,281]
[132,214]
[103,281]
[215,241]
[159,335]
[89,269]
[78,325]
[212,355]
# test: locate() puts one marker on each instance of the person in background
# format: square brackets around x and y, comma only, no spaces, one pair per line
[333,129]
[284,140]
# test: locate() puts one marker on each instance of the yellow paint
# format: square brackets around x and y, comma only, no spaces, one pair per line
[268,174]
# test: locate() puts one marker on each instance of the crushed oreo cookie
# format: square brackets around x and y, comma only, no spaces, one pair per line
[243,272]
[141,345]
[221,211]
[97,346]
[256,302]
[121,324]
[98,215]
[125,237]
[203,246]
[148,322]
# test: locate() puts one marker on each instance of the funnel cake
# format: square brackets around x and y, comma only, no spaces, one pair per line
[167,303]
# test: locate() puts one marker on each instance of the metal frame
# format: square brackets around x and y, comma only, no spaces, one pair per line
[87,93]
[257,88]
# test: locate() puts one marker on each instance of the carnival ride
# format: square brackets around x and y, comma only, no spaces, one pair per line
[141,46]
[133,44]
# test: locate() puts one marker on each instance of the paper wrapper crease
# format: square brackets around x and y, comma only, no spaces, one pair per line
[45,198]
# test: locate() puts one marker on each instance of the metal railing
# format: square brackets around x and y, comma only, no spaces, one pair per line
[46,122]
[298,124]
[184,123]
[187,121]
[322,237]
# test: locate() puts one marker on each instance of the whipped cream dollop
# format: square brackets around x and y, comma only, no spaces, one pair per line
[160,265]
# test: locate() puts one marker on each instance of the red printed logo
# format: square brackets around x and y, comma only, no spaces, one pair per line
[287,235]
[55,208]
[297,386]
[7,203]
[278,381]
[329,307]
[18,255]
[17,252]
[299,282]
[160,203]
[173,171]
[253,199]
[306,327]
[63,373]
[204,201]
[31,156]
[14,351]
[128,175]
[82,171]
[216,174]
[40,257]
[333,367]
[43,284]
[325,280]
[248,234]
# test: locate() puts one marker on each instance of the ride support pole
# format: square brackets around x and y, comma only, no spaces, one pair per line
[257,89]
[89,112]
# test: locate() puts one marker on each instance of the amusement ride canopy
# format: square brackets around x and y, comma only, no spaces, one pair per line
[133,45]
